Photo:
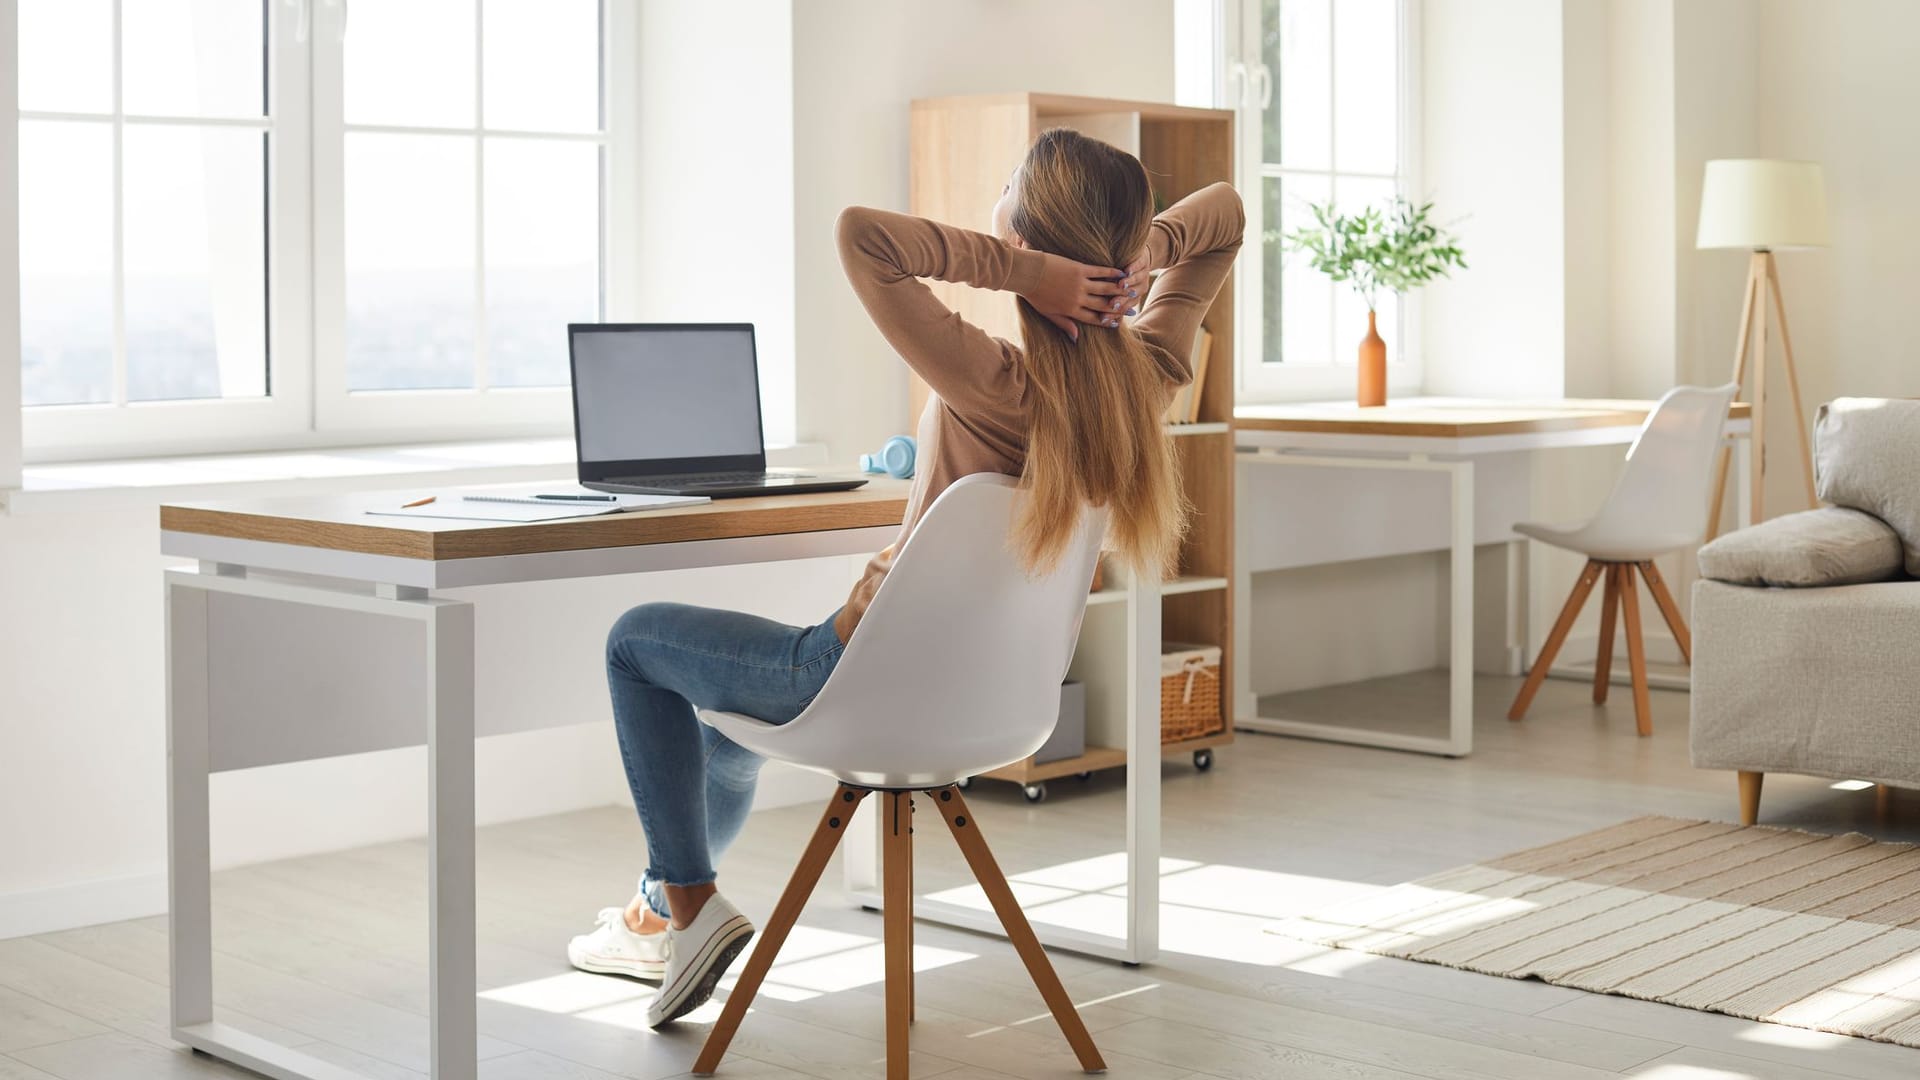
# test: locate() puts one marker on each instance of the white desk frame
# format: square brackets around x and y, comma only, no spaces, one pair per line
[1452,458]
[403,589]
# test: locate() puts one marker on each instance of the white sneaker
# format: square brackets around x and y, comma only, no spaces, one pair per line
[697,957]
[613,949]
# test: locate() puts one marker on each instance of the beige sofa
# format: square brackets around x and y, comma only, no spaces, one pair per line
[1806,648]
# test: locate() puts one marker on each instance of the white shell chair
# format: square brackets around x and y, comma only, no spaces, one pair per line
[1657,506]
[955,671]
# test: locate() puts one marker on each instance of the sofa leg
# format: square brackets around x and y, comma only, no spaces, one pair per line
[1750,797]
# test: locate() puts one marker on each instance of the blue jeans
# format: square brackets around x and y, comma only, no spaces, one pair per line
[692,785]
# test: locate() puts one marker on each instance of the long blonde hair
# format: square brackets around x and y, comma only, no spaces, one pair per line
[1095,435]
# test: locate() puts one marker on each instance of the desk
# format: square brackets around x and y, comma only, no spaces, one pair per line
[311,629]
[1437,437]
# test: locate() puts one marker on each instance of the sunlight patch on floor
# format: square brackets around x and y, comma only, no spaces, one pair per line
[812,962]
[570,993]
[1693,1072]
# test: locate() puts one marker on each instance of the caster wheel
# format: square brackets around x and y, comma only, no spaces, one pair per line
[1083,777]
[1035,792]
[965,783]
[1203,760]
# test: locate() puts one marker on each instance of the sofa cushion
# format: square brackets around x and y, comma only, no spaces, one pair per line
[1829,546]
[1867,457]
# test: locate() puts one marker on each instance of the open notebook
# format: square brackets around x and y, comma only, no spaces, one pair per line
[517,503]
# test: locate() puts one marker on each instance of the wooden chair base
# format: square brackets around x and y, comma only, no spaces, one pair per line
[896,851]
[1619,597]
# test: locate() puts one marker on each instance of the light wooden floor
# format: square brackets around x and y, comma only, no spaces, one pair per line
[327,952]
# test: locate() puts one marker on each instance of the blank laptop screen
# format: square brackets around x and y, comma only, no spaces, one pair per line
[649,393]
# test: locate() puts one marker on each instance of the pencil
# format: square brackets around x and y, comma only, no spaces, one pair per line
[419,502]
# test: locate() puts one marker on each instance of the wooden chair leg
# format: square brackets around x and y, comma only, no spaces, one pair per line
[826,837]
[1571,611]
[1668,609]
[1603,660]
[1750,796]
[896,857]
[1636,651]
[966,832]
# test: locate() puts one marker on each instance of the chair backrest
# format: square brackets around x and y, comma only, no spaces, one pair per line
[1661,497]
[957,663]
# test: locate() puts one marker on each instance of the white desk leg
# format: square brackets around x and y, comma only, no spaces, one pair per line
[452,980]
[189,871]
[1243,703]
[1143,768]
[1460,643]
[1518,616]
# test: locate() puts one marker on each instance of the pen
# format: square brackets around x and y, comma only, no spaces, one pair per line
[419,502]
[580,498]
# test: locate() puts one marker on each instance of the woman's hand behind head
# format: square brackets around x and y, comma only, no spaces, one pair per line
[1069,293]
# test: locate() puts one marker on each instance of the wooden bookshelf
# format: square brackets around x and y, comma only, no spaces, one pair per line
[963,151]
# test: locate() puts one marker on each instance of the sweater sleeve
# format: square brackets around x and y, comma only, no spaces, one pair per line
[886,255]
[1195,242]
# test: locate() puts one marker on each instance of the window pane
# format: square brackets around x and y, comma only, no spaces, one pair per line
[410,62]
[410,261]
[543,255]
[1297,122]
[195,251]
[66,55]
[1349,310]
[542,68]
[66,262]
[193,58]
[1305,300]
[1366,69]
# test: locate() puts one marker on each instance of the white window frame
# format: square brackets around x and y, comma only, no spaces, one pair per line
[309,405]
[55,432]
[1246,85]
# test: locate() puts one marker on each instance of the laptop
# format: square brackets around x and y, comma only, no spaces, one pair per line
[674,409]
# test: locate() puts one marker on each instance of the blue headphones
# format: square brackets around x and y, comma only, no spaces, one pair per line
[895,458]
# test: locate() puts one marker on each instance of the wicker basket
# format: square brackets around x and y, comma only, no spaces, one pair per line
[1189,691]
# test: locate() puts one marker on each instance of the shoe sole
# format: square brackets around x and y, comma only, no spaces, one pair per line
[631,969]
[732,942]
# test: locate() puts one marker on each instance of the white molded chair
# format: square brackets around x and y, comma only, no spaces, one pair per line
[955,671]
[1655,507]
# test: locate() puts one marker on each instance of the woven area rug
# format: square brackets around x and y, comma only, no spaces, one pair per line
[1789,927]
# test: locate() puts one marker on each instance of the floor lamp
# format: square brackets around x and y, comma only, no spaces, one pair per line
[1762,206]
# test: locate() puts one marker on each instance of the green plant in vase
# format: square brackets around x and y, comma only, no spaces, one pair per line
[1394,248]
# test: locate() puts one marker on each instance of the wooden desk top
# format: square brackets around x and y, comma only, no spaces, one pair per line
[1450,418]
[341,523]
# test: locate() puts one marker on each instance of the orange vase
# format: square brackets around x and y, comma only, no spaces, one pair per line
[1373,365]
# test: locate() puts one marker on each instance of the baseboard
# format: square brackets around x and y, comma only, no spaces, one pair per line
[84,903]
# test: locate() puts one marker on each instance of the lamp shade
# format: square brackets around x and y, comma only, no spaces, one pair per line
[1758,203]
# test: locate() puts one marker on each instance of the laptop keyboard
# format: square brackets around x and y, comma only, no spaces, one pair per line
[701,479]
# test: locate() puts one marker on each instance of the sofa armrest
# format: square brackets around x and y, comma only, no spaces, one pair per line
[1811,549]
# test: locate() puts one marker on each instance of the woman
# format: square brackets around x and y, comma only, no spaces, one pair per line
[1076,414]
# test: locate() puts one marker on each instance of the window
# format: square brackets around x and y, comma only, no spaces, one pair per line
[1326,93]
[275,222]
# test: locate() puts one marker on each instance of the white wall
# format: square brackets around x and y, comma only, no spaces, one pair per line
[1837,90]
[9,269]
[1492,122]
[857,65]
[715,161]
